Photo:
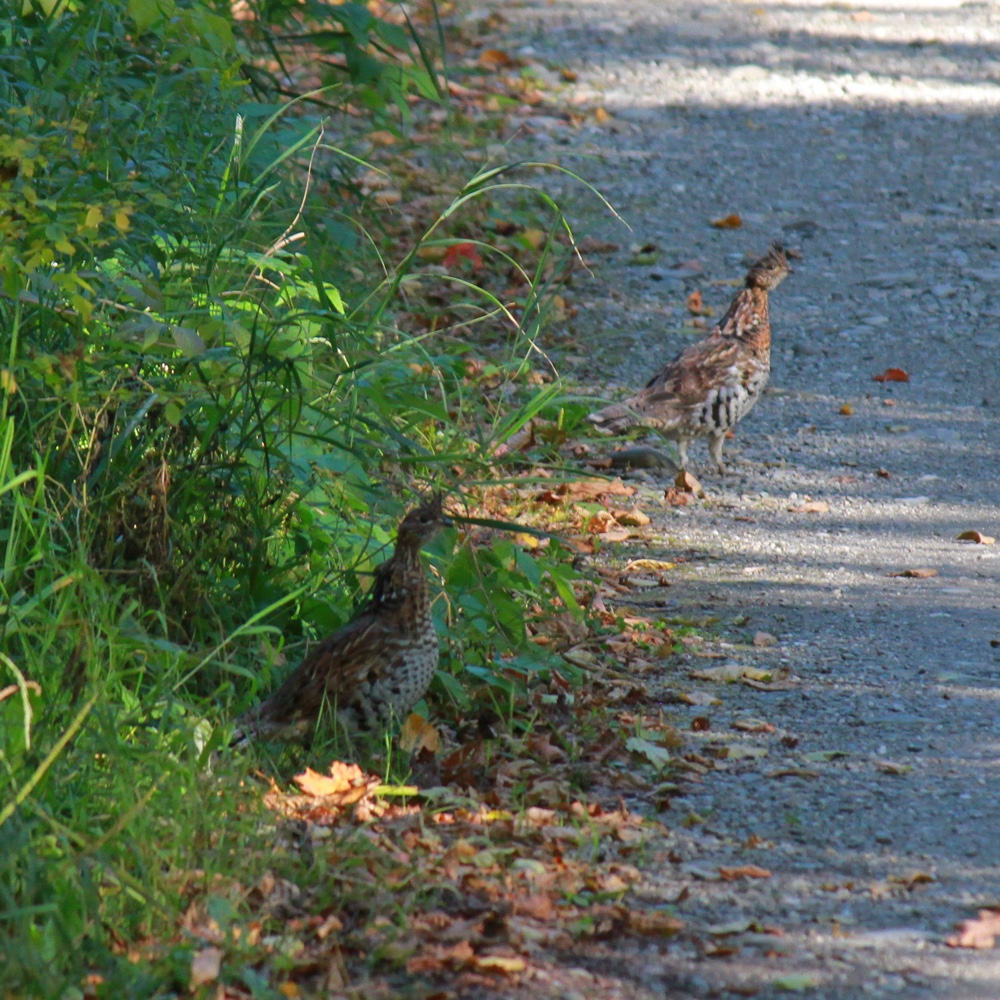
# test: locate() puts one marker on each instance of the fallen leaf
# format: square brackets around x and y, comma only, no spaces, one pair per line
[847,410]
[978,537]
[289,989]
[654,565]
[590,244]
[500,963]
[569,75]
[811,507]
[457,251]
[891,767]
[883,473]
[892,375]
[794,772]
[753,726]
[495,59]
[979,933]
[345,784]
[732,221]
[742,871]
[913,879]
[698,698]
[418,734]
[633,518]
[542,747]
[696,306]
[676,498]
[686,483]
[435,959]
[727,672]
[653,752]
[205,966]
[585,489]
[740,752]
[916,574]
[654,923]
[601,116]
[795,982]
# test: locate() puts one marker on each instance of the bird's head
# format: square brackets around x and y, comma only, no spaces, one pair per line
[770,270]
[422,522]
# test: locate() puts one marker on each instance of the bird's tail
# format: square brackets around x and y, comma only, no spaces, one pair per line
[618,417]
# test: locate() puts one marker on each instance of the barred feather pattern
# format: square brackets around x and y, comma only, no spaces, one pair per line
[711,386]
[374,669]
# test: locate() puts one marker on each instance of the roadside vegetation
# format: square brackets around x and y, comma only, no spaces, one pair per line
[266,278]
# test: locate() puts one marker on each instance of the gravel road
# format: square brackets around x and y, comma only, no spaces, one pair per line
[868,137]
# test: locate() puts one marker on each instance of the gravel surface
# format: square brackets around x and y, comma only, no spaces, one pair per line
[869,138]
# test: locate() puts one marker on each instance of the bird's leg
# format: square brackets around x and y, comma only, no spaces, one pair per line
[715,450]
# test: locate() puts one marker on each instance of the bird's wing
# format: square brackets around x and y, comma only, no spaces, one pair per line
[332,671]
[687,380]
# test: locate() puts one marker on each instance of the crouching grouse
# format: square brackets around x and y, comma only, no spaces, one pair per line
[710,387]
[375,668]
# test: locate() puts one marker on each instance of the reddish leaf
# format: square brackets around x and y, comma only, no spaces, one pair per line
[916,574]
[732,221]
[742,871]
[459,250]
[892,375]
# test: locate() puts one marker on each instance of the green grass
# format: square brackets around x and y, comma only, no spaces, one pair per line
[208,428]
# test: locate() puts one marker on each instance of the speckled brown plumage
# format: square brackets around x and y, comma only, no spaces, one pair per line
[375,668]
[710,387]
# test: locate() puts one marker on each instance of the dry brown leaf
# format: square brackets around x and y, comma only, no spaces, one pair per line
[731,221]
[591,244]
[569,75]
[495,59]
[883,473]
[979,933]
[811,507]
[978,537]
[696,304]
[676,498]
[633,518]
[601,116]
[742,871]
[891,767]
[585,489]
[346,783]
[753,726]
[436,959]
[653,923]
[916,574]
[418,734]
[205,966]
[687,483]
[847,410]
[541,746]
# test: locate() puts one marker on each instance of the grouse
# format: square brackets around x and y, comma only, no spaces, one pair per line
[710,387]
[375,668]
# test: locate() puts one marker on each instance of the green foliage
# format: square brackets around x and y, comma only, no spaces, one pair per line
[208,425]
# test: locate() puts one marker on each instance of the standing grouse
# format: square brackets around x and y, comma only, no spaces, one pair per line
[711,386]
[375,668]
